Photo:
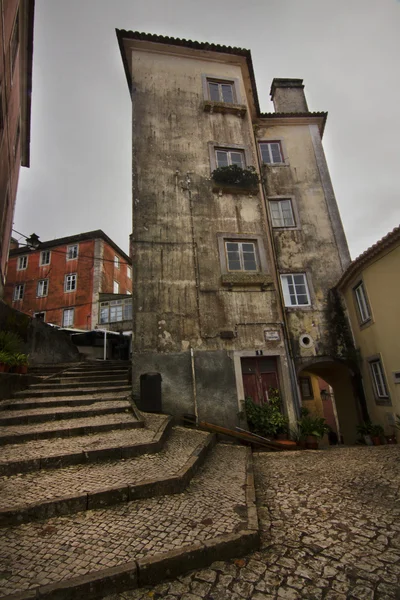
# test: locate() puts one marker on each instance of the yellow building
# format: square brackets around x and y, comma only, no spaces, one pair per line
[371,290]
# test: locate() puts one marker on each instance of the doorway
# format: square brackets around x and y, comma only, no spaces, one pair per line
[259,375]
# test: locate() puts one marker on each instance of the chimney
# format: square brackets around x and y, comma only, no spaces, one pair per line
[13,244]
[288,96]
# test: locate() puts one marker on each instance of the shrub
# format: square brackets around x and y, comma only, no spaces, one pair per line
[309,425]
[235,175]
[10,342]
[6,358]
[266,419]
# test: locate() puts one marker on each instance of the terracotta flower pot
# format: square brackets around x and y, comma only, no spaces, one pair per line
[4,368]
[311,442]
[376,440]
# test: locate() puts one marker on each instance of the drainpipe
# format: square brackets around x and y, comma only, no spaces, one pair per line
[196,412]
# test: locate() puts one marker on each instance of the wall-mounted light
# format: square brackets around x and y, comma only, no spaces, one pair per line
[33,241]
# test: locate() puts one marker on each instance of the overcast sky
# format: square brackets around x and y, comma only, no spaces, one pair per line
[347,52]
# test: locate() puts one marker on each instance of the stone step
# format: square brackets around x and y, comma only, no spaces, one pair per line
[48,493]
[16,434]
[62,452]
[27,403]
[111,549]
[66,391]
[61,383]
[40,415]
[92,375]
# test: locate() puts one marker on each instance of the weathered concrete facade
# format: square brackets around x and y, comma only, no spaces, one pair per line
[196,320]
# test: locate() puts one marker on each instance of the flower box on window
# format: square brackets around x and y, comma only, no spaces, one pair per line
[235,180]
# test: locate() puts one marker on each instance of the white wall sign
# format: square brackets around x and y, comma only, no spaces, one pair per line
[272,335]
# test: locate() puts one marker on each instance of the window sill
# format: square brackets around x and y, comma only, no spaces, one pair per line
[219,188]
[383,401]
[224,108]
[366,324]
[267,166]
[247,279]
[298,307]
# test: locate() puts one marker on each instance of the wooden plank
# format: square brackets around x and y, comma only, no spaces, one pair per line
[250,438]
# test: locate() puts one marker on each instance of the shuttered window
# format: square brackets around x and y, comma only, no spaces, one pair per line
[271,152]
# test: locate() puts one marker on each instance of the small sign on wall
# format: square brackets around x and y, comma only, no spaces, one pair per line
[272,335]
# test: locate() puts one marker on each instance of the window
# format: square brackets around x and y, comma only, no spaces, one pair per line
[22,263]
[282,213]
[129,272]
[45,258]
[70,282]
[241,256]
[116,287]
[72,252]
[221,91]
[362,302]
[116,262]
[14,42]
[295,289]
[40,316]
[306,388]
[225,158]
[42,288]
[379,380]
[116,310]
[271,152]
[19,291]
[68,317]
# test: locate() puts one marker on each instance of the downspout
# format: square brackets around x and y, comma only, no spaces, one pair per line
[196,412]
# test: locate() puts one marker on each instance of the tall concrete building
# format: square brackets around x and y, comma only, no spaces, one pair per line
[16,32]
[231,271]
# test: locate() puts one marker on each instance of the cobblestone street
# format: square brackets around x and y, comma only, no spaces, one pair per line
[330,530]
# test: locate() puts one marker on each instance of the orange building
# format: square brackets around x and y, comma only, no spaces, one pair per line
[16,32]
[60,281]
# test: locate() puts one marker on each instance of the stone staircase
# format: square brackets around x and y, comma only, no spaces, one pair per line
[96,497]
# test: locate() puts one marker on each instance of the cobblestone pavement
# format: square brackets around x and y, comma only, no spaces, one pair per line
[64,547]
[65,409]
[30,488]
[36,449]
[330,530]
[65,424]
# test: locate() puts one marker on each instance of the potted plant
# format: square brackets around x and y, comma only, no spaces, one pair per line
[377,433]
[267,419]
[364,431]
[20,363]
[5,361]
[311,429]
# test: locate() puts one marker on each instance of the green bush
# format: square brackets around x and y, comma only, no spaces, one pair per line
[6,358]
[10,342]
[309,425]
[235,175]
[266,419]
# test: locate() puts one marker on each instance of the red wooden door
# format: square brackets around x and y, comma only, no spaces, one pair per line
[259,374]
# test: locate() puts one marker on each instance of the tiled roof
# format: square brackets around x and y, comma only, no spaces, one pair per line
[162,39]
[80,237]
[389,239]
[279,115]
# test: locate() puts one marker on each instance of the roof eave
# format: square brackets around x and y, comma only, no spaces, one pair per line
[26,71]
[307,118]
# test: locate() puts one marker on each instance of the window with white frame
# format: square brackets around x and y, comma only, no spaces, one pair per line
[114,311]
[271,152]
[68,317]
[306,388]
[116,262]
[72,252]
[362,302]
[295,289]
[221,91]
[129,272]
[45,257]
[42,288]
[226,158]
[241,256]
[282,213]
[70,282]
[22,263]
[379,379]
[19,291]
[116,287]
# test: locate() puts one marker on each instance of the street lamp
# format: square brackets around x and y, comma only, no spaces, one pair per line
[33,241]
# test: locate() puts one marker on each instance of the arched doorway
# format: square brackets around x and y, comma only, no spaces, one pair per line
[348,395]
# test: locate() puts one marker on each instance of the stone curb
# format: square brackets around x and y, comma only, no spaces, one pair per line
[154,569]
[110,495]
[75,458]
[18,438]
[49,416]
